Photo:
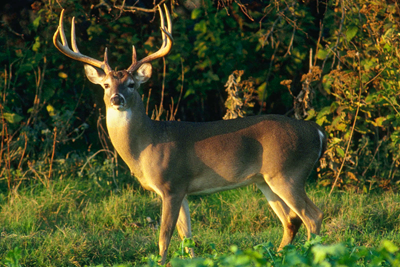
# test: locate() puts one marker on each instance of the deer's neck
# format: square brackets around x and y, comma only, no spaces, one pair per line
[130,133]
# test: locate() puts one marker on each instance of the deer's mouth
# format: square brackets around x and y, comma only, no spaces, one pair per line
[118,101]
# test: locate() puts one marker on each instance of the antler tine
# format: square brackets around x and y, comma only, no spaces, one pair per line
[162,25]
[73,37]
[64,48]
[169,23]
[166,46]
[167,31]
[134,58]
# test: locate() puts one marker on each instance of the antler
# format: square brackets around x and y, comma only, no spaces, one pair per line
[165,48]
[64,48]
[75,54]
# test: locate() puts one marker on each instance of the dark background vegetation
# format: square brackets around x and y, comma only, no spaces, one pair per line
[333,62]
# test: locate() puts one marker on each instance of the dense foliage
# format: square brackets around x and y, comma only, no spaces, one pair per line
[312,254]
[335,62]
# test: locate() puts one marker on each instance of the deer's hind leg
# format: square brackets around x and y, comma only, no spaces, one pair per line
[183,224]
[292,193]
[289,219]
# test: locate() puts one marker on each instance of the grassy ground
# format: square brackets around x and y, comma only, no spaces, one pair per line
[78,222]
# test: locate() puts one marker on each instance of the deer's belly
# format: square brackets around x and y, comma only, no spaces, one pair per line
[213,184]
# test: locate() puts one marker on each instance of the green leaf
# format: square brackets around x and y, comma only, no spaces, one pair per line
[196,13]
[321,252]
[335,140]
[322,54]
[36,45]
[336,120]
[12,117]
[188,243]
[389,246]
[351,32]
[368,64]
[340,152]
[210,76]
[379,121]
[189,92]
[201,26]
[63,75]
[51,110]
[310,115]
[325,111]
[388,48]
[362,129]
[36,23]
[341,127]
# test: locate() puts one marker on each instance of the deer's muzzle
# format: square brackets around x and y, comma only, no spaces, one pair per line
[117,101]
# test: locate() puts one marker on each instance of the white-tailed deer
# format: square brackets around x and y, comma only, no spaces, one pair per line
[176,159]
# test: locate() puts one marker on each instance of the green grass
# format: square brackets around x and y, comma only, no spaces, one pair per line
[77,222]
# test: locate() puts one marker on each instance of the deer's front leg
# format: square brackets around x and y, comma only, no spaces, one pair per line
[171,205]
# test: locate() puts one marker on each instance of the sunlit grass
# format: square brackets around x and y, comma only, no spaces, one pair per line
[77,222]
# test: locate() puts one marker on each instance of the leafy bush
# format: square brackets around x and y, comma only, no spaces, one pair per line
[361,62]
[339,60]
[313,253]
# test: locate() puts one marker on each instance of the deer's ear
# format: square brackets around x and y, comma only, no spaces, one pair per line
[143,74]
[93,74]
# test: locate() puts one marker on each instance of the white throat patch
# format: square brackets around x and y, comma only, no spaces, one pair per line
[117,119]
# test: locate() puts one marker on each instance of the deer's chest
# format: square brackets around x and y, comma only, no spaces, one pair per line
[118,120]
[118,126]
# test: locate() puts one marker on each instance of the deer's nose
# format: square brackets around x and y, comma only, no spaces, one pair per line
[117,101]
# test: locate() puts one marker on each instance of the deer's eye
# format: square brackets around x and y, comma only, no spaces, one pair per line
[131,85]
[106,86]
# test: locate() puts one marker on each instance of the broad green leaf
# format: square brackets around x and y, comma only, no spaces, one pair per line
[189,92]
[388,48]
[321,252]
[196,13]
[379,121]
[341,127]
[12,117]
[63,75]
[390,117]
[261,88]
[51,110]
[325,111]
[389,246]
[201,26]
[322,54]
[336,120]
[368,64]
[188,243]
[36,45]
[311,114]
[336,140]
[351,32]
[340,152]
[36,23]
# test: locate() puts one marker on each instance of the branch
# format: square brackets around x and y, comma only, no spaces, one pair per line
[353,126]
[244,10]
[124,8]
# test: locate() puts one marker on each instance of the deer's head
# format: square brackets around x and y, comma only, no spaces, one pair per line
[120,87]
